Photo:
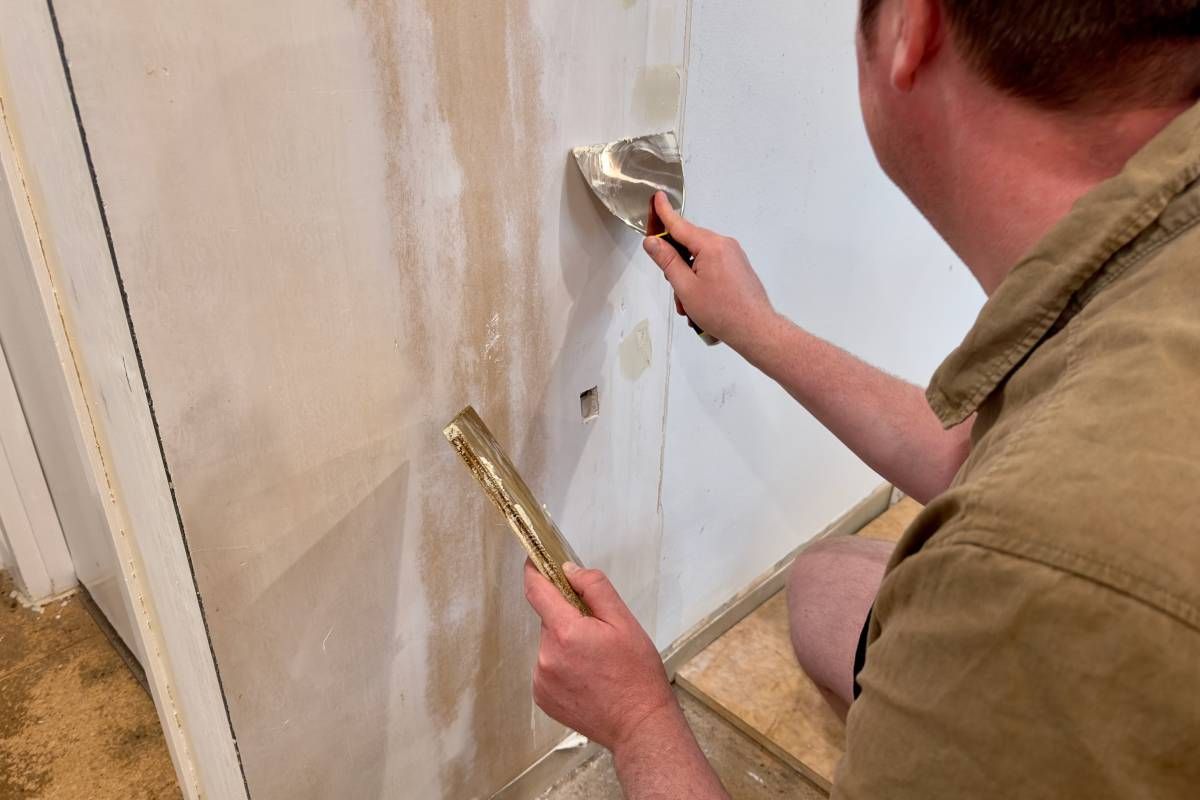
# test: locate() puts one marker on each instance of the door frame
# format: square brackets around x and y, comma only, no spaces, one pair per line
[43,151]
[30,534]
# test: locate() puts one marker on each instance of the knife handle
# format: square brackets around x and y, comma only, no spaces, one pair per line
[690,260]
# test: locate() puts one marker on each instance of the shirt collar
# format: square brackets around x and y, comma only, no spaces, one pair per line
[1037,291]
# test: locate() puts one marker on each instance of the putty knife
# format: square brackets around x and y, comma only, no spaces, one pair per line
[625,175]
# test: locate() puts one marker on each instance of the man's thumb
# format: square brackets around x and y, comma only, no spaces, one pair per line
[676,270]
[597,591]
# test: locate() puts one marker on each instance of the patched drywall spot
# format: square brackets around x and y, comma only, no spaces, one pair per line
[656,94]
[636,351]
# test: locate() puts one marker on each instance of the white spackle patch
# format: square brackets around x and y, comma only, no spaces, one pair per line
[656,94]
[636,351]
[493,338]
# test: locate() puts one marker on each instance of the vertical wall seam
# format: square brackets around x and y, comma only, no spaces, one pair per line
[670,309]
[671,322]
[62,54]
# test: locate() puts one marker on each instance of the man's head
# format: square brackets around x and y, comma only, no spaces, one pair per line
[946,84]
[1072,54]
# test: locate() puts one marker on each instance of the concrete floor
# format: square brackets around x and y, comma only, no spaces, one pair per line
[74,722]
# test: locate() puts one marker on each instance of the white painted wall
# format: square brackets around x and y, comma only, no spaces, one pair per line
[777,157]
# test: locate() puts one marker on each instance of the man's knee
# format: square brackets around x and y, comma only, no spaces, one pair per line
[835,566]
[831,586]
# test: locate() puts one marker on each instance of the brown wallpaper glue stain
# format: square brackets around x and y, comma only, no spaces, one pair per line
[481,632]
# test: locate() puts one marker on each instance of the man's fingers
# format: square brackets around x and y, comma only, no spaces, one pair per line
[598,592]
[689,235]
[547,601]
[678,273]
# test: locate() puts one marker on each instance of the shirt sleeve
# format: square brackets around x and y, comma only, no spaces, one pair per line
[995,676]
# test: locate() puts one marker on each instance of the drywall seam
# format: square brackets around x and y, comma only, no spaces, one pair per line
[687,67]
[150,404]
[683,92]
[669,345]
[670,309]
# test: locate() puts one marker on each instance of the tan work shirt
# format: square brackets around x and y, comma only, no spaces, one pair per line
[1038,631]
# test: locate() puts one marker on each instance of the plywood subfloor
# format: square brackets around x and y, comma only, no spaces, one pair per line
[750,677]
[748,771]
[890,525]
[74,722]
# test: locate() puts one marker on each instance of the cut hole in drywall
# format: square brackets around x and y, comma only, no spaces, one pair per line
[589,404]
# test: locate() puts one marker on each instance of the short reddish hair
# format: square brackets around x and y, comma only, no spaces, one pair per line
[1066,54]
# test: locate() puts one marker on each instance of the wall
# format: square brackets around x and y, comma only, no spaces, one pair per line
[776,156]
[335,224]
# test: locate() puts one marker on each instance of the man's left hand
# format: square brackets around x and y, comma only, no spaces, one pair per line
[598,675]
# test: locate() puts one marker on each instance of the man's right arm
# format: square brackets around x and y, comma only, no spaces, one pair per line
[883,419]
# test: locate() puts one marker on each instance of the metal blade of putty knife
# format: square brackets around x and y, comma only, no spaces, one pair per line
[625,174]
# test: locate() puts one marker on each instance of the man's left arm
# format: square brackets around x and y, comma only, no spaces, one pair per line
[603,677]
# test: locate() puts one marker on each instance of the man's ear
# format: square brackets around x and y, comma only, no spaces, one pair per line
[918,35]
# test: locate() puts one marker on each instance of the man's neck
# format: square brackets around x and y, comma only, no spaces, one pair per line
[1017,171]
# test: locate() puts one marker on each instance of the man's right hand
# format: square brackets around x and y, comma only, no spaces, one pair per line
[883,419]
[720,292]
